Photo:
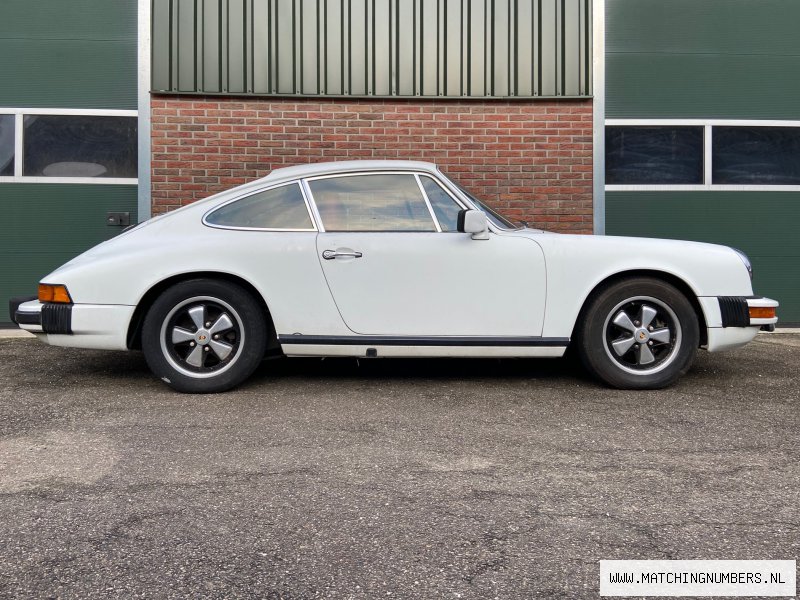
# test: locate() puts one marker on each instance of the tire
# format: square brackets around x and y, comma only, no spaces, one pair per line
[204,336]
[638,333]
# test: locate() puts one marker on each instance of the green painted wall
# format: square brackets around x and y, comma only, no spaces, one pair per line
[68,53]
[762,225]
[45,225]
[735,59]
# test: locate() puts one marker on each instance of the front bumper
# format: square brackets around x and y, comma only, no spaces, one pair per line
[735,311]
[102,326]
[728,320]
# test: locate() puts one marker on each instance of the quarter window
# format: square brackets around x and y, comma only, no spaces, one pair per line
[377,202]
[445,208]
[278,208]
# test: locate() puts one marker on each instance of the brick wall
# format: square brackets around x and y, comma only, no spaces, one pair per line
[531,160]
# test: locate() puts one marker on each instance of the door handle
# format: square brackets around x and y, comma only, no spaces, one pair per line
[331,254]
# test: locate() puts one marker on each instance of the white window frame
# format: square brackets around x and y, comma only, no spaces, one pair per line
[19,123]
[707,125]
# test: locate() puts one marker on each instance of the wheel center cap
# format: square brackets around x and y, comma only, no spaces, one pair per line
[642,336]
[202,337]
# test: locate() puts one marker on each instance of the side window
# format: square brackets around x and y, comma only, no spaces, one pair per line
[279,208]
[371,203]
[445,208]
[6,145]
[756,155]
[79,146]
[654,154]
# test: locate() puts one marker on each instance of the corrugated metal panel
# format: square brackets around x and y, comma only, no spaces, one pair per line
[407,48]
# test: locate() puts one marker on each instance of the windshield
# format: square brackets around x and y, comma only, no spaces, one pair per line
[494,217]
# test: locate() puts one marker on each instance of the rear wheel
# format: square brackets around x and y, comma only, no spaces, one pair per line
[204,335]
[638,334]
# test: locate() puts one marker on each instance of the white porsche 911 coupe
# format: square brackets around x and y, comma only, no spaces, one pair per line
[389,259]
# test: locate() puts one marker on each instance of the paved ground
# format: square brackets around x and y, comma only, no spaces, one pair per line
[427,479]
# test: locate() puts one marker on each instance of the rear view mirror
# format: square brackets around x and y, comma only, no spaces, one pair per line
[474,222]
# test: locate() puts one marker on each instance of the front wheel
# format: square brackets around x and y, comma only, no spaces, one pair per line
[638,334]
[204,336]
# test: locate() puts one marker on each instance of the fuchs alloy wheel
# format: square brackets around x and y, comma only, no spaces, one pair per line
[204,336]
[638,334]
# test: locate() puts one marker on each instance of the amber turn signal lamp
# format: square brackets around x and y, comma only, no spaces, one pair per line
[762,312]
[54,293]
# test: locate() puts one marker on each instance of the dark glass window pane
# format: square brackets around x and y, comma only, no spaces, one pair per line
[756,155]
[445,208]
[278,208]
[6,145]
[371,203]
[79,146]
[654,155]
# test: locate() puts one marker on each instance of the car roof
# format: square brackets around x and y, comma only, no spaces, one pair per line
[287,174]
[346,166]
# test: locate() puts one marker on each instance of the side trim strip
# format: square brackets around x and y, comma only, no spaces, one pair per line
[27,318]
[391,340]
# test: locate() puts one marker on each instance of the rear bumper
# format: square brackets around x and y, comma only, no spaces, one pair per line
[103,326]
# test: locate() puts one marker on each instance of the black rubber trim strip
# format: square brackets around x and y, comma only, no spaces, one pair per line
[734,311]
[13,305]
[27,318]
[392,340]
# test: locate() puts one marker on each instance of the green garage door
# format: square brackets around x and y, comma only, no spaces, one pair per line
[703,130]
[44,225]
[762,225]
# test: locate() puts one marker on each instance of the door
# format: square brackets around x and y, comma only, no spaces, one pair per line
[394,269]
[44,225]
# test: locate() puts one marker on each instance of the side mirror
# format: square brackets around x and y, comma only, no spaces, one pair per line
[474,222]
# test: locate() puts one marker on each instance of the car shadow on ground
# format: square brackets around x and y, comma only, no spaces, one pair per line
[462,369]
[132,367]
[65,364]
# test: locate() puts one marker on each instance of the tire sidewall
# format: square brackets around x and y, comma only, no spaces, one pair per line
[592,341]
[250,352]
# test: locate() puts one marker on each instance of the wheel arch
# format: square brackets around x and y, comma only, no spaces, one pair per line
[670,278]
[134,335]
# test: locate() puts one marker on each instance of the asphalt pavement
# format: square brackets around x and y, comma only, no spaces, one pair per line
[386,478]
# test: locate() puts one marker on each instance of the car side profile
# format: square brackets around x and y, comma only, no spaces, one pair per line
[389,259]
